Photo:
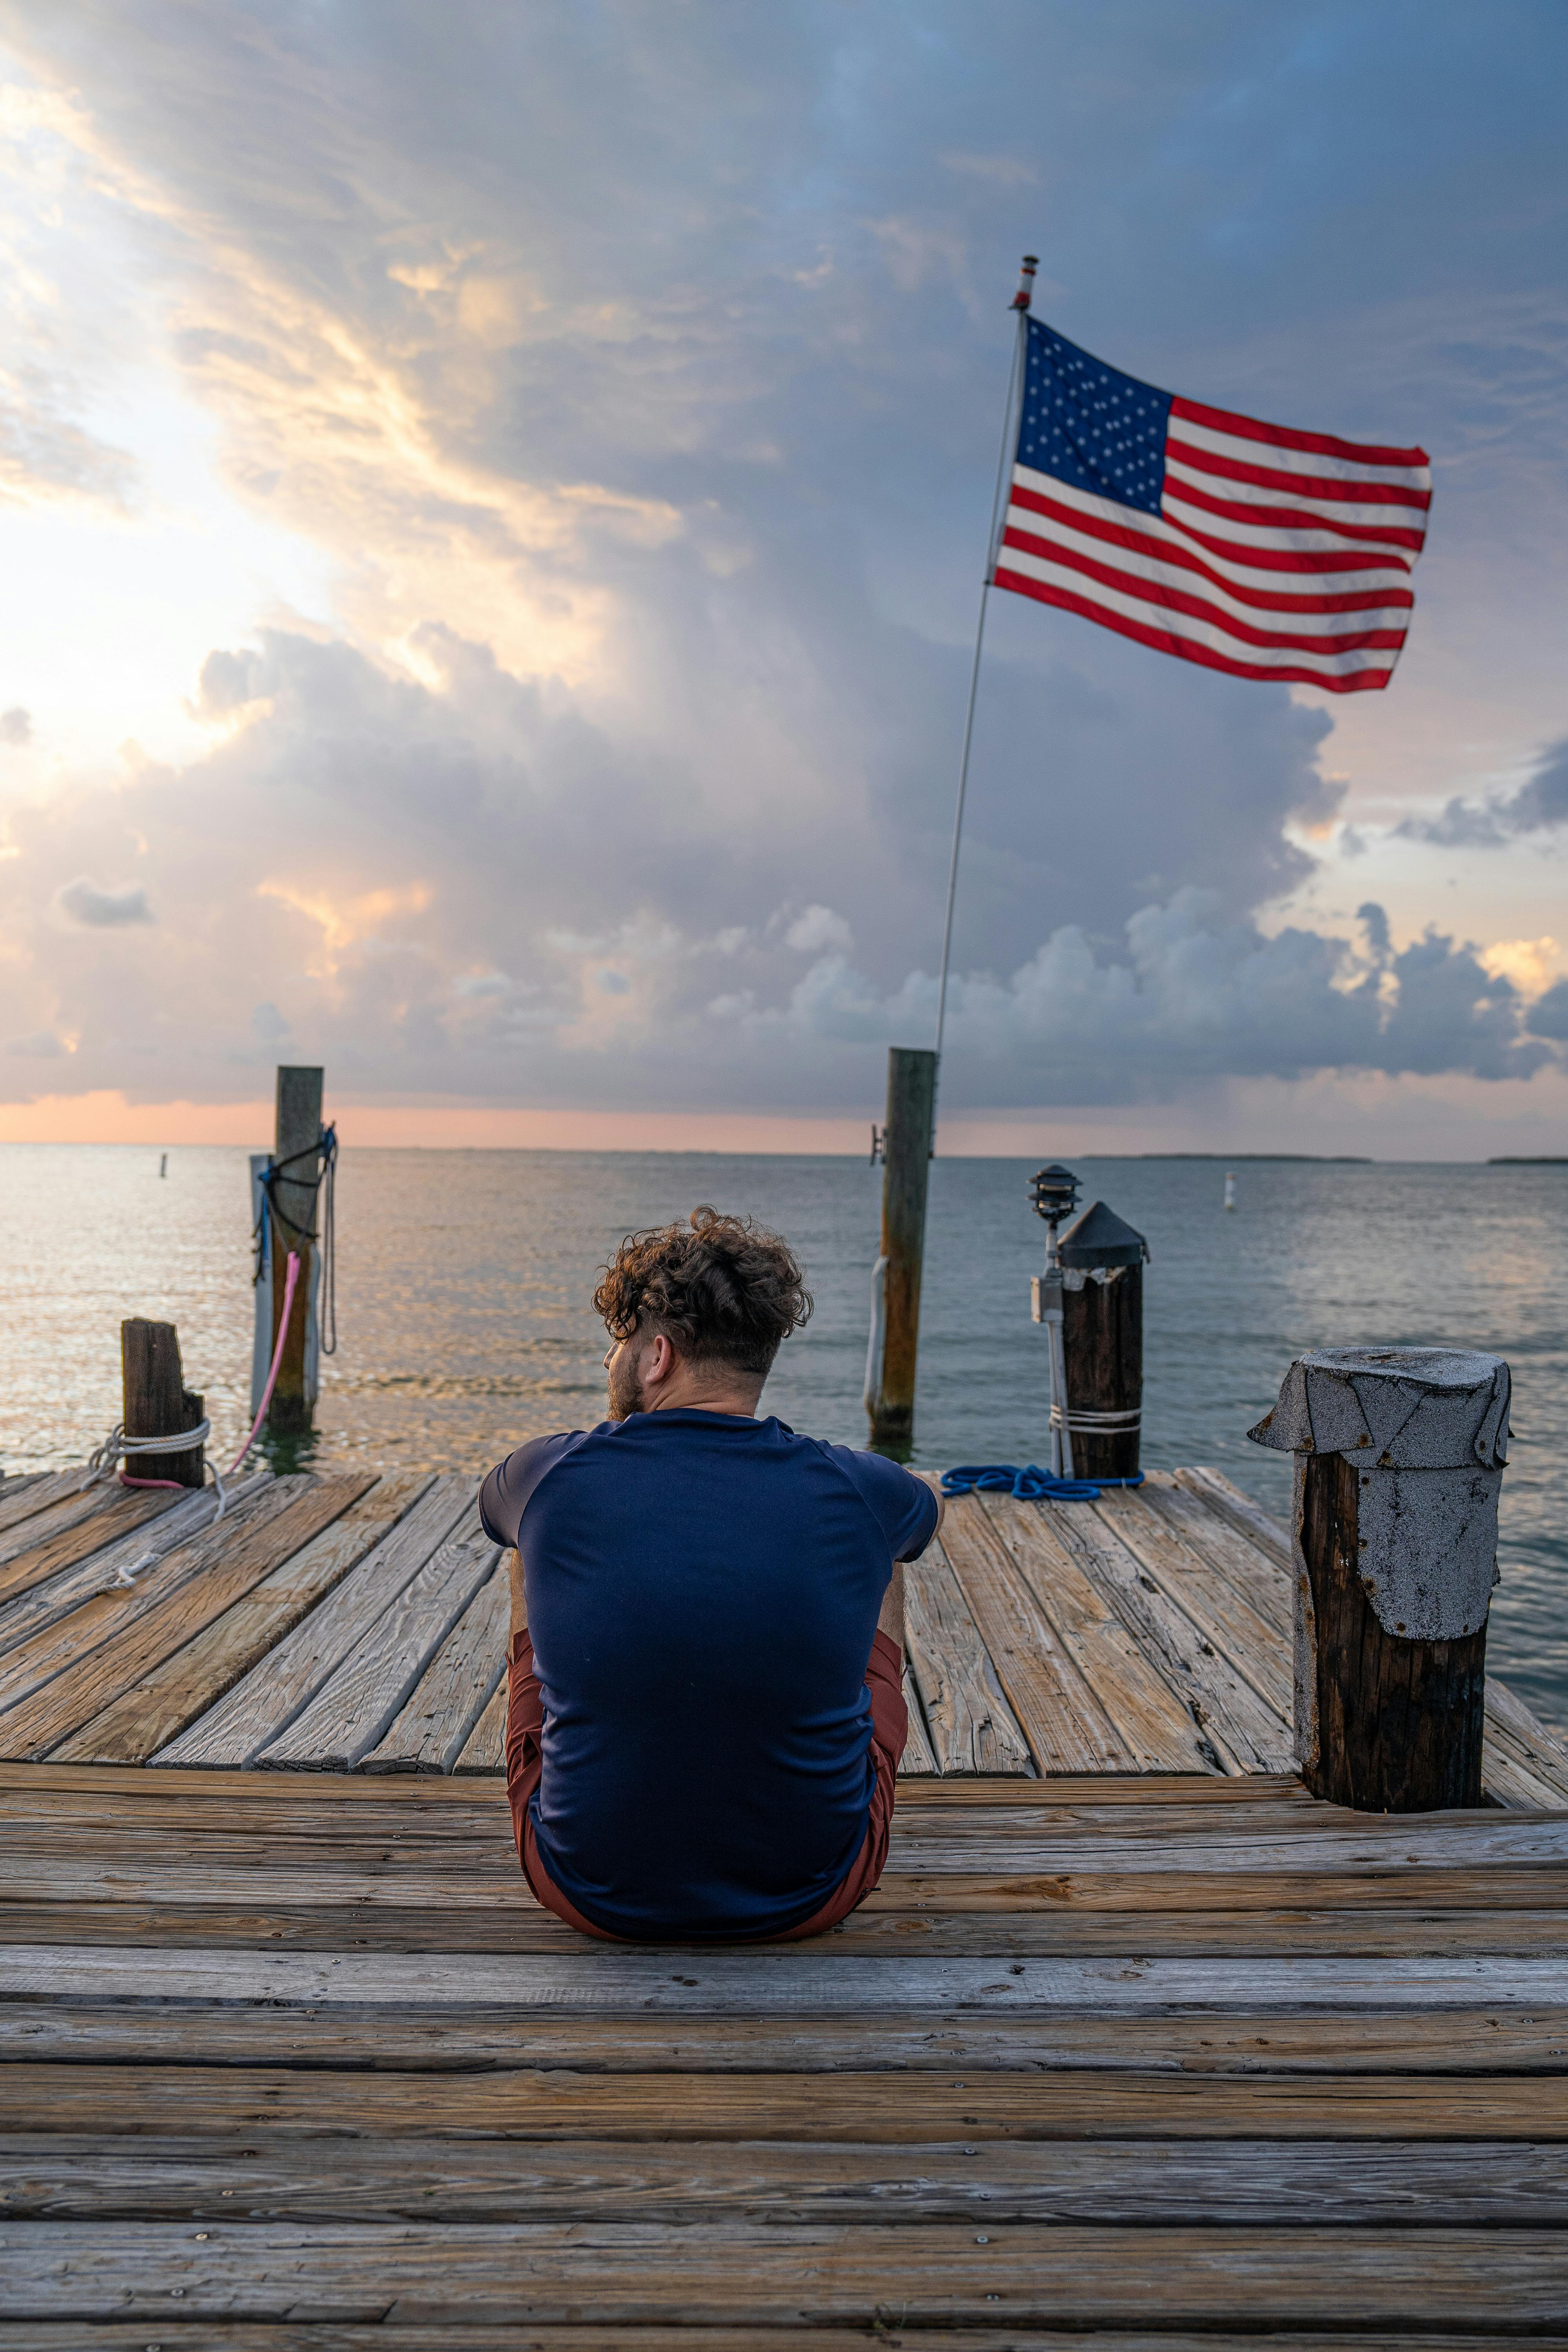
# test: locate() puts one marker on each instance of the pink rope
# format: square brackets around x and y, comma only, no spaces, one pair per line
[289,1280]
[174,1484]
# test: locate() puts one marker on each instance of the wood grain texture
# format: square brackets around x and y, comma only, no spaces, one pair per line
[356,1706]
[1154,1724]
[37,1522]
[60,1714]
[102,1611]
[876,2109]
[499,2335]
[973,1729]
[161,1702]
[1402,2184]
[1239,1555]
[432,1727]
[758,2276]
[123,1512]
[505,1920]
[1257,1648]
[919,1760]
[282,1683]
[1231,1502]
[485,1748]
[137,1555]
[1248,1735]
[1451,2045]
[31,1491]
[810,1980]
[1066,1728]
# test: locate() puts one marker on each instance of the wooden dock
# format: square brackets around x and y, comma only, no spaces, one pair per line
[1136,2042]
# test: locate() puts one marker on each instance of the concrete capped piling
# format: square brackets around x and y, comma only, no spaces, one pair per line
[1399,1460]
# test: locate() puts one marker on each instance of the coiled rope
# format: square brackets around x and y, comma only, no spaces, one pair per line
[1029,1484]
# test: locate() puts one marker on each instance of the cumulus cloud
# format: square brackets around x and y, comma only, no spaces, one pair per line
[85,902]
[816,930]
[1539,803]
[15,725]
[42,1045]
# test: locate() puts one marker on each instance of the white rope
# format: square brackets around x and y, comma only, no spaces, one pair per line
[103,1459]
[1087,1423]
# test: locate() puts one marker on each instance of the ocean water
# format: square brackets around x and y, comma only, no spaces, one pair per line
[466,1280]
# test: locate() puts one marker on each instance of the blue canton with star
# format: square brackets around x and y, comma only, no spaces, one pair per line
[1089,425]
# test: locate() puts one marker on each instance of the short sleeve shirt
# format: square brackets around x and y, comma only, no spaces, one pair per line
[703,1590]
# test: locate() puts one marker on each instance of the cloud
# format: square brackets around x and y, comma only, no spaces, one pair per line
[15,725]
[42,1045]
[816,930]
[101,909]
[1548,1016]
[1540,802]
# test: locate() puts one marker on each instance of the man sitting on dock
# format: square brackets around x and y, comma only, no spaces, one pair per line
[707,1706]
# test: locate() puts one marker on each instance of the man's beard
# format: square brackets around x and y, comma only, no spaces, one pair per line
[626,1389]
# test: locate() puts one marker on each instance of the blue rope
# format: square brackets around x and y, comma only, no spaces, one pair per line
[1030,1485]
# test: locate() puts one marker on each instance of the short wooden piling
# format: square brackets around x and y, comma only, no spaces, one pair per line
[297,1157]
[911,1105]
[1102,1334]
[1399,1460]
[157,1402]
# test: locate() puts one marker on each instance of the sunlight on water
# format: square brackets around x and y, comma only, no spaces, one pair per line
[465,1305]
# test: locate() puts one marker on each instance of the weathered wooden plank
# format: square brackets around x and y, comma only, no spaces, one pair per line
[1239,2184]
[1507,1782]
[499,2335]
[1066,1728]
[27,1491]
[104,1611]
[1231,1502]
[1249,1735]
[876,2109]
[503,1919]
[60,1714]
[1251,1569]
[431,1729]
[277,1689]
[1450,2045]
[159,1705]
[919,1759]
[1258,1649]
[757,2274]
[124,1510]
[352,1709]
[78,1500]
[972,1725]
[66,1786]
[805,1979]
[1514,1731]
[1154,1724]
[134,1555]
[485,1751]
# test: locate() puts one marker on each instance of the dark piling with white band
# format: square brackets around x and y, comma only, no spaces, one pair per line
[1102,1262]
[157,1402]
[1399,1461]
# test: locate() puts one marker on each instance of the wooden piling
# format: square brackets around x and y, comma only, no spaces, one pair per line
[295,1154]
[157,1402]
[906,1141]
[1102,1335]
[1399,1459]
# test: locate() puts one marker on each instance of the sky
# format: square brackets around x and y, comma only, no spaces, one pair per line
[494,504]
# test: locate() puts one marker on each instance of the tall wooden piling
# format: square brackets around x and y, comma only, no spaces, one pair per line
[911,1106]
[296,1154]
[157,1403]
[1102,1341]
[1399,1460]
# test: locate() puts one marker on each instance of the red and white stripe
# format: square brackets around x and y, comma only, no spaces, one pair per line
[1275,555]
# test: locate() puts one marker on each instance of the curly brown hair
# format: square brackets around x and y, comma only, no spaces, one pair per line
[723,1289]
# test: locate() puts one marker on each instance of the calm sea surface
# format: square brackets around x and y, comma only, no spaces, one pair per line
[466,1277]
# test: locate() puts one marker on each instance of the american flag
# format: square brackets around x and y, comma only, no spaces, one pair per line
[1246,546]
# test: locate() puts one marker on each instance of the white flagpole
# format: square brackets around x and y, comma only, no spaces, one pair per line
[1021,301]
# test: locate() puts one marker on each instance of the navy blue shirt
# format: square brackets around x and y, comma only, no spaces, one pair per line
[702,1591]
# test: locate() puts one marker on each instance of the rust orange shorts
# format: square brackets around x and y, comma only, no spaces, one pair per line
[525,1761]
